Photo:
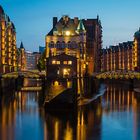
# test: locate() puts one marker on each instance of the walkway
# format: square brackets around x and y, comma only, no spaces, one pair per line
[119,74]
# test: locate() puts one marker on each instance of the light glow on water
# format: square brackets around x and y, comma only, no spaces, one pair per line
[115,115]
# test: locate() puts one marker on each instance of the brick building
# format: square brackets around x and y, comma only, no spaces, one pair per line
[118,57]
[8,49]
[125,56]
[78,38]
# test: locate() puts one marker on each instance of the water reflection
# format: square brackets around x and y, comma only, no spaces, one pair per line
[20,118]
[112,116]
[115,115]
[120,113]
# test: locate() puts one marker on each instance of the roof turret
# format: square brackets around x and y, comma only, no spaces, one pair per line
[137,34]
[81,27]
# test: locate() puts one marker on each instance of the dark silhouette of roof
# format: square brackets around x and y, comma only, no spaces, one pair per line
[137,34]
[1,10]
[67,24]
[13,25]
[21,45]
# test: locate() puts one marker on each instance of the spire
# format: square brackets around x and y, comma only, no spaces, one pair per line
[97,17]
[21,45]
[81,27]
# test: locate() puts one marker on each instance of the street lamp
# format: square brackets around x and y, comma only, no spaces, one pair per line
[67,33]
[45,67]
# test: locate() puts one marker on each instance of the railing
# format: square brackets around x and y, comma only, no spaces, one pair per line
[118,75]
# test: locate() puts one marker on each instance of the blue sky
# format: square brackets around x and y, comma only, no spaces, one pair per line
[33,18]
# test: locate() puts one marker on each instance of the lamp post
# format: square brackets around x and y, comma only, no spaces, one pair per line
[45,67]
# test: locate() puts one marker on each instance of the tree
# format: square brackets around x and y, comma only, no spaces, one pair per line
[42,62]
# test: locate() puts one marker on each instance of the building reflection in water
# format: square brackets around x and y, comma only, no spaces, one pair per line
[115,115]
[20,118]
[95,121]
[117,98]
[60,126]
[83,124]
[121,104]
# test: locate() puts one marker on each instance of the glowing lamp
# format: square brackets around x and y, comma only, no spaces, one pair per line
[56,83]
[67,33]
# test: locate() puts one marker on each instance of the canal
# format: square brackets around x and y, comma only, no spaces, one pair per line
[113,116]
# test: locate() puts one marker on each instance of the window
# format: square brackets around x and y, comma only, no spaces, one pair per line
[53,62]
[69,44]
[58,45]
[51,44]
[66,72]
[69,62]
[58,62]
[63,44]
[65,62]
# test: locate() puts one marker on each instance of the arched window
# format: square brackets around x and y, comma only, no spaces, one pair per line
[51,44]
[74,44]
[58,44]
[69,44]
[63,44]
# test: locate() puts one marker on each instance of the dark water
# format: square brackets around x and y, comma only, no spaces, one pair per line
[114,116]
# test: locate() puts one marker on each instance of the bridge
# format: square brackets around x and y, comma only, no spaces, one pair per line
[119,74]
[25,74]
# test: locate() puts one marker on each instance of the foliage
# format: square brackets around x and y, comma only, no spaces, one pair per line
[42,62]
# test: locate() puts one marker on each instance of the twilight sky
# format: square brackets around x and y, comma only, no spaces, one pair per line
[33,18]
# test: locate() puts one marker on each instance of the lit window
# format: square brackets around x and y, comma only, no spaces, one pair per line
[58,62]
[53,62]
[66,72]
[65,62]
[70,62]
[56,83]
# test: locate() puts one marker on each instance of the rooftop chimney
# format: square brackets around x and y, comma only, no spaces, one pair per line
[76,20]
[54,21]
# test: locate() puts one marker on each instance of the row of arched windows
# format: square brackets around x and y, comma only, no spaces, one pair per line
[72,44]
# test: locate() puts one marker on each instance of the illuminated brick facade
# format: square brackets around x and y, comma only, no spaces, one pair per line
[21,58]
[8,49]
[118,57]
[125,56]
[78,38]
[136,51]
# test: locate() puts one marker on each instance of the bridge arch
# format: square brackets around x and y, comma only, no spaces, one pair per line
[25,74]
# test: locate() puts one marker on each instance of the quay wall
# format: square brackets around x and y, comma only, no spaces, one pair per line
[132,83]
[7,86]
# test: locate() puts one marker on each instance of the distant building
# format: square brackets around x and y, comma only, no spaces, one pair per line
[77,38]
[41,49]
[8,49]
[136,51]
[32,60]
[37,57]
[21,58]
[125,56]
[118,57]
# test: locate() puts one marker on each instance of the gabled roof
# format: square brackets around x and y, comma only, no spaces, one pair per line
[81,27]
[50,33]
[64,24]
